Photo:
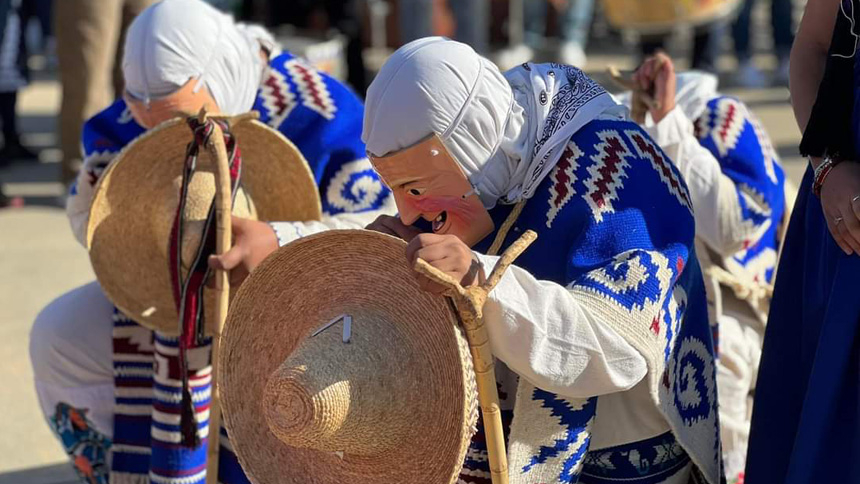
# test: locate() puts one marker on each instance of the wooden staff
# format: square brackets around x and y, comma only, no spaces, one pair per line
[470,307]
[223,234]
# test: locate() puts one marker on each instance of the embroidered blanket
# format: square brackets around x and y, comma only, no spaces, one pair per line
[615,226]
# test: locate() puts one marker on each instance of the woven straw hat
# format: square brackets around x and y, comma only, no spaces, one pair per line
[396,404]
[135,201]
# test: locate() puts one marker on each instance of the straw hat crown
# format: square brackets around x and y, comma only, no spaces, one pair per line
[386,394]
[135,202]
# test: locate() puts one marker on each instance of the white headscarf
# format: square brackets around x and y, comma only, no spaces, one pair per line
[506,134]
[694,89]
[174,41]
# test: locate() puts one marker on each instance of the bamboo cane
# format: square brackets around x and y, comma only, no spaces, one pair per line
[223,233]
[470,305]
[223,241]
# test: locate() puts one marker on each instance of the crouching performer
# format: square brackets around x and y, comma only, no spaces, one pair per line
[739,193]
[602,323]
[93,366]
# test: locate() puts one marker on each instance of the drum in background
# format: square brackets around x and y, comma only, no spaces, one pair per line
[663,16]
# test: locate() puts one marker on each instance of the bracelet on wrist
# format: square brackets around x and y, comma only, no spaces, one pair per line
[821,172]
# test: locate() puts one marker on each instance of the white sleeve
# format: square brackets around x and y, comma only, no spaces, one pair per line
[290,231]
[719,220]
[540,331]
[81,193]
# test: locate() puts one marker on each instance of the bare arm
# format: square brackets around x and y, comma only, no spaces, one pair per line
[840,192]
[809,55]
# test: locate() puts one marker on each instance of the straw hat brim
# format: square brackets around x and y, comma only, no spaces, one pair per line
[301,287]
[129,257]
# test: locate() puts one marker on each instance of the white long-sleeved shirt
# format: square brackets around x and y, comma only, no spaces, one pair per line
[541,332]
[537,328]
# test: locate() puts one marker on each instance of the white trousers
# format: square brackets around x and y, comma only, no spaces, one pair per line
[740,352]
[71,350]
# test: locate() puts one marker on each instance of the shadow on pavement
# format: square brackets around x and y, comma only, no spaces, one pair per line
[51,474]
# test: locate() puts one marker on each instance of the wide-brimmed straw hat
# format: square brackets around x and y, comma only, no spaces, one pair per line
[396,404]
[135,202]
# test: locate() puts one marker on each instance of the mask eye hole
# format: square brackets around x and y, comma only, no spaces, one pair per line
[416,191]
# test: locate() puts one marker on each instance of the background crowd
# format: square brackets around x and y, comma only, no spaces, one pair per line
[77,42]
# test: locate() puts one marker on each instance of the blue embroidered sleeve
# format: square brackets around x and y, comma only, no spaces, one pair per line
[323,118]
[106,134]
[746,155]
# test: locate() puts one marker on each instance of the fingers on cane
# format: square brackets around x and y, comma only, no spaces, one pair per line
[228,260]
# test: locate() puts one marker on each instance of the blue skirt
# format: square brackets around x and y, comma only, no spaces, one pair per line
[806,418]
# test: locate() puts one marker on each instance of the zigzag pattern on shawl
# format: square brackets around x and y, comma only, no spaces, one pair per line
[550,436]
[736,139]
[574,427]
[637,273]
[579,91]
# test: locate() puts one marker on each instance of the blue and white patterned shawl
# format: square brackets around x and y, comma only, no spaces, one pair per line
[615,226]
[746,155]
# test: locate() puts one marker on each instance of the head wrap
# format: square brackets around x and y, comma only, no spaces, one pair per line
[505,131]
[694,89]
[175,41]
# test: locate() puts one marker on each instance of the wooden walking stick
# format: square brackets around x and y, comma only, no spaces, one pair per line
[470,306]
[223,234]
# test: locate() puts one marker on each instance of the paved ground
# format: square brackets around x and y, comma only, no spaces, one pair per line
[39,260]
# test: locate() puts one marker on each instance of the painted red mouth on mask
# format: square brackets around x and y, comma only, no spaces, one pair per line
[439,222]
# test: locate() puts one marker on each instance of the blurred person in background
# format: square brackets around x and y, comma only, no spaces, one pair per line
[13,76]
[40,12]
[706,45]
[471,17]
[89,34]
[806,418]
[172,48]
[748,75]
[574,27]
[320,17]
[738,190]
